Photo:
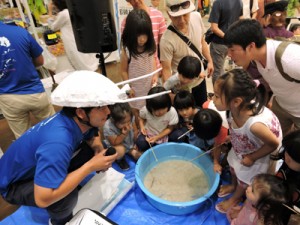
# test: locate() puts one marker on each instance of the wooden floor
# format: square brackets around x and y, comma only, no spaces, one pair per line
[6,135]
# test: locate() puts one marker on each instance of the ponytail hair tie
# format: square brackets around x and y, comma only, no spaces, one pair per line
[257,82]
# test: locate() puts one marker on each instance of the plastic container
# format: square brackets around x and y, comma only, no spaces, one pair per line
[175,151]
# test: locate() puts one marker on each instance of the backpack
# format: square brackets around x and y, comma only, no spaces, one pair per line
[90,217]
[278,54]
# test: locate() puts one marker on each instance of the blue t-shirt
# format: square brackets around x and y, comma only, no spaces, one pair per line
[17,71]
[42,153]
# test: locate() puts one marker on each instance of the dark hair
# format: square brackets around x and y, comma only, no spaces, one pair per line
[189,67]
[60,4]
[118,111]
[71,111]
[291,145]
[138,23]
[238,83]
[243,32]
[160,102]
[183,100]
[207,123]
[273,193]
[294,27]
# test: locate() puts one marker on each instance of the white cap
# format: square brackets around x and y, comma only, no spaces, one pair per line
[87,89]
[181,11]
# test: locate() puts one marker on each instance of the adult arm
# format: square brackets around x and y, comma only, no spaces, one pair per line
[38,61]
[166,70]
[216,30]
[206,54]
[47,196]
[166,56]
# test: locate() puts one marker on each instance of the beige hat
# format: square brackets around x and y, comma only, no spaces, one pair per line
[179,7]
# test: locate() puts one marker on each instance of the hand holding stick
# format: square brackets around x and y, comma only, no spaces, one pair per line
[152,149]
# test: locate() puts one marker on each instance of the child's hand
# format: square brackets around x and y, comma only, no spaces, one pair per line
[126,129]
[247,161]
[190,126]
[151,139]
[143,131]
[217,168]
[130,93]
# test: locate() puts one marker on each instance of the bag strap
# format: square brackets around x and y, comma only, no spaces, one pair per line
[188,42]
[250,6]
[278,54]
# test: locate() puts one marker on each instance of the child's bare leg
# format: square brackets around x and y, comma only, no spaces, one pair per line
[224,206]
[228,188]
[135,153]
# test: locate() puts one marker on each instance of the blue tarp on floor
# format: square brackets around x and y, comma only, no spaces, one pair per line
[132,210]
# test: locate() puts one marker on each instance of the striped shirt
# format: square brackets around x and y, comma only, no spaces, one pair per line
[158,27]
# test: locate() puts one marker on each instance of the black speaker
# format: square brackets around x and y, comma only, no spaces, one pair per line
[93,25]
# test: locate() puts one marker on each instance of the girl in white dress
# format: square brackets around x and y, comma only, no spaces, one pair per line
[255,132]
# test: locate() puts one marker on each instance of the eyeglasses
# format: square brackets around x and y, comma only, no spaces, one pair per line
[184,5]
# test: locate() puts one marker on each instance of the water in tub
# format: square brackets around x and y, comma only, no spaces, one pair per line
[177,181]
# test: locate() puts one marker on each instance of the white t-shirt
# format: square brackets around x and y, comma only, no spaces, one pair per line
[287,93]
[174,82]
[155,125]
[246,8]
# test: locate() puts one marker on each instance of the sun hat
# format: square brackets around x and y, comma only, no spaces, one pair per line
[280,6]
[87,89]
[179,7]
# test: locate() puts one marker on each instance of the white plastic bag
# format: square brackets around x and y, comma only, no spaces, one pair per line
[50,61]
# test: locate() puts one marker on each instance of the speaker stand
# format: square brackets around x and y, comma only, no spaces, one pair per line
[100,56]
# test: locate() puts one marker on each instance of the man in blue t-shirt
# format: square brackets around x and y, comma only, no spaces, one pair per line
[41,168]
[21,90]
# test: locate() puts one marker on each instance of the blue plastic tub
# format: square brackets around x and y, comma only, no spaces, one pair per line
[175,151]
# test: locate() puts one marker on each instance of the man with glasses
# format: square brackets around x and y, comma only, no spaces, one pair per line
[173,48]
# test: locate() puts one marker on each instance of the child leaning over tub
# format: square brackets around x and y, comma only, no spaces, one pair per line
[157,121]
[188,76]
[290,169]
[254,130]
[207,122]
[120,132]
[264,204]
